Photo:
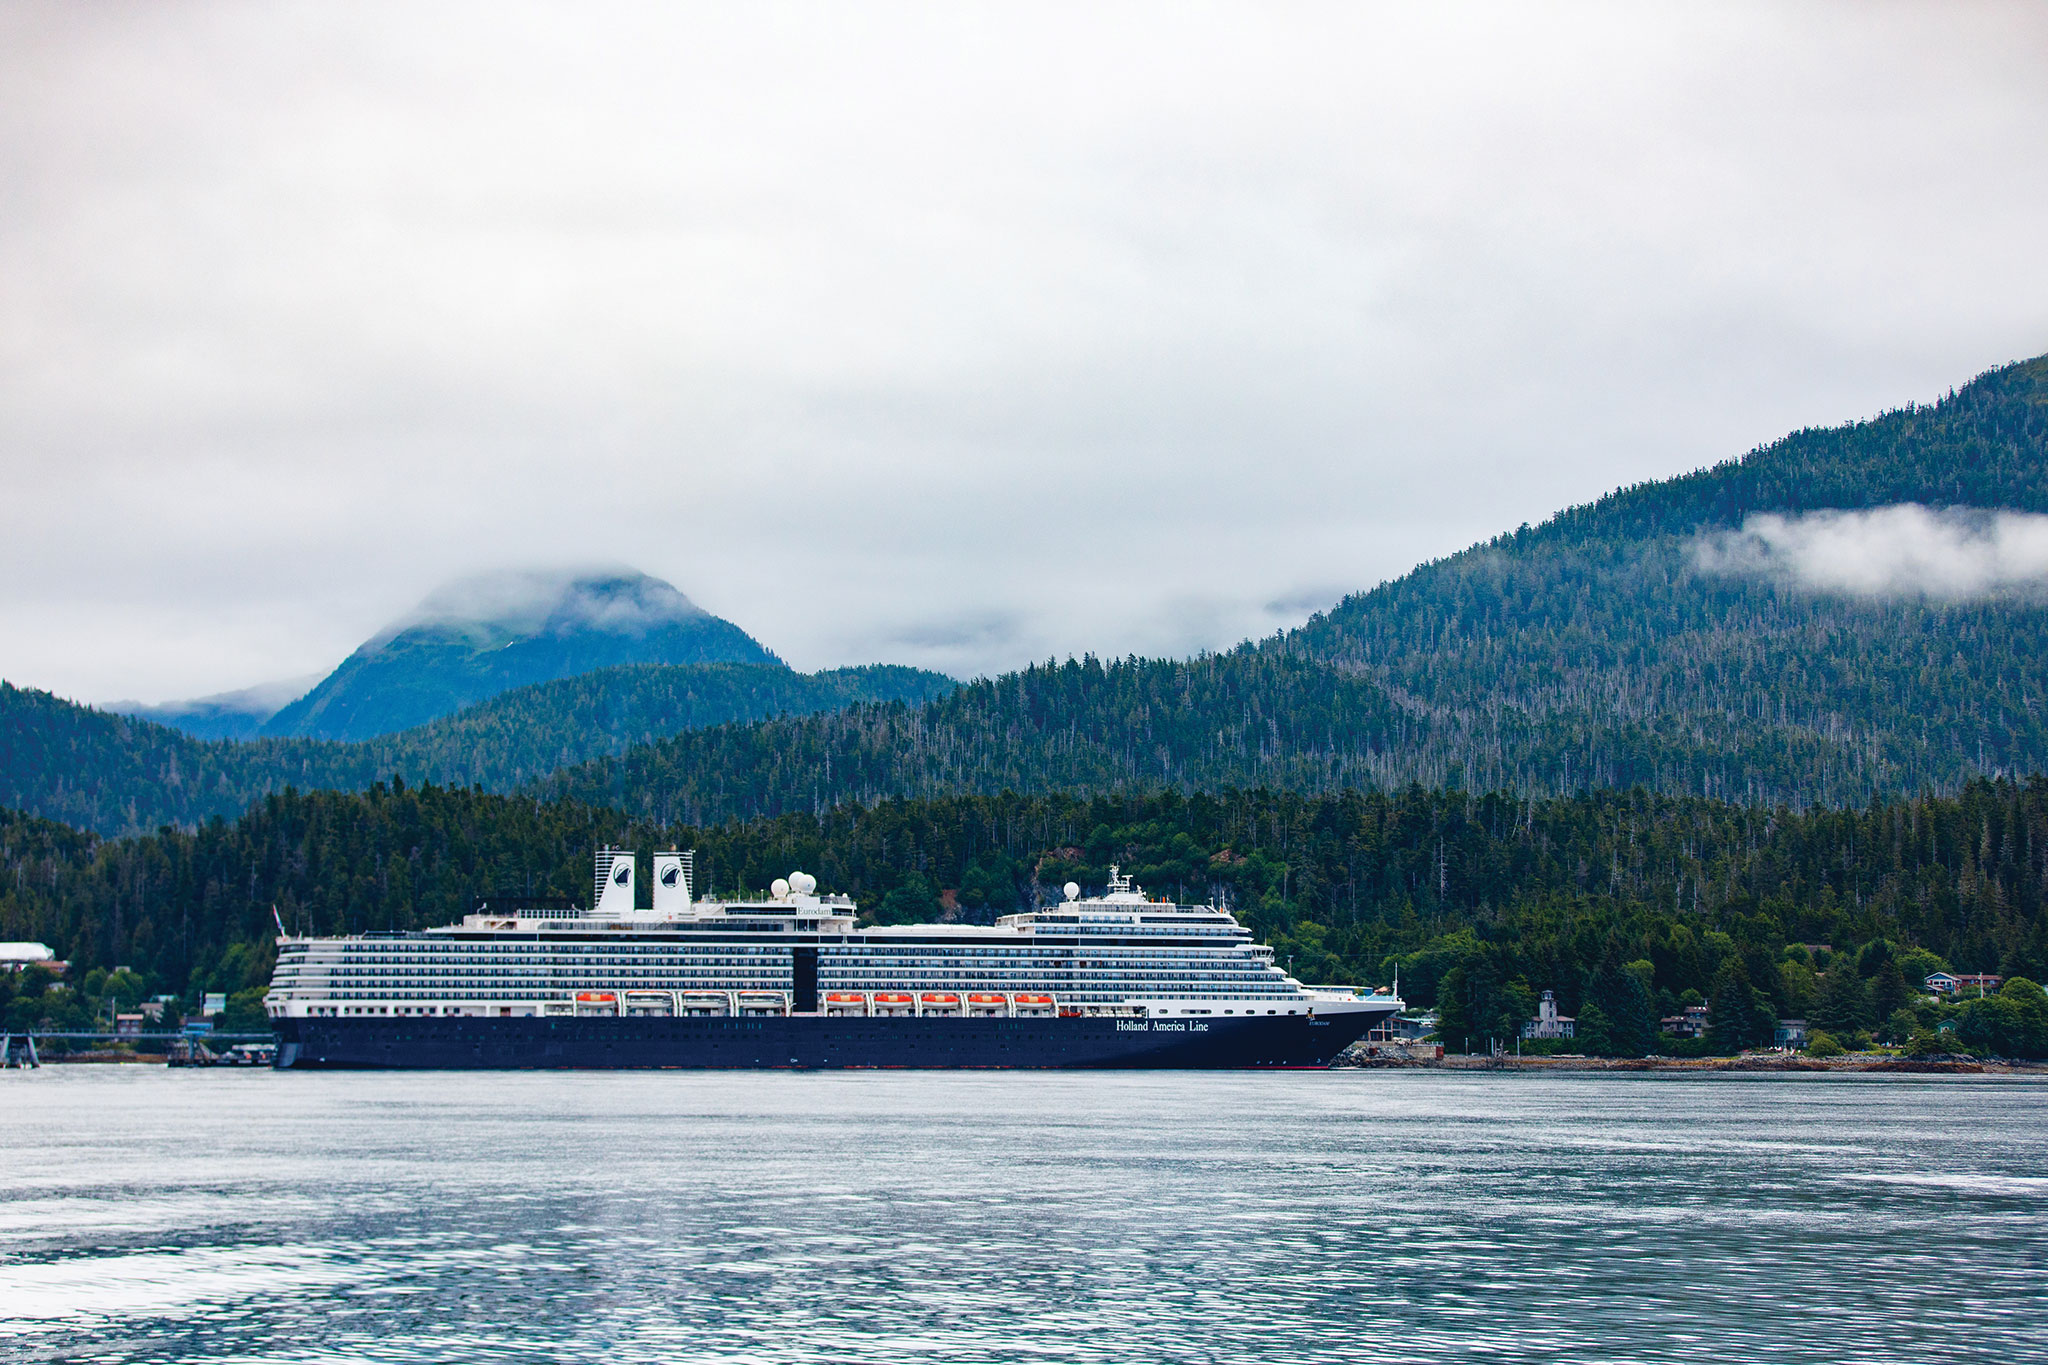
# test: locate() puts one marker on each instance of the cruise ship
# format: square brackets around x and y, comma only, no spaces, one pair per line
[793,980]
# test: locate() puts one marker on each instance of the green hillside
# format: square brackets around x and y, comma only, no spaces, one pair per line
[116,774]
[1595,649]
[1592,651]
[1626,901]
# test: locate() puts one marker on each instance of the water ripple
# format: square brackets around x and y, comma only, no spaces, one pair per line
[150,1215]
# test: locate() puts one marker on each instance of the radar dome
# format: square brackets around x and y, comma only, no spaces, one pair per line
[1073,890]
[779,889]
[803,883]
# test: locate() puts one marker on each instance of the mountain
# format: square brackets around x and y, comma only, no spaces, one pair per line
[1707,634]
[116,774]
[1846,614]
[474,639]
[225,715]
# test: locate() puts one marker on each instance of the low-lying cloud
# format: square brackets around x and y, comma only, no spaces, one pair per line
[618,600]
[1905,550]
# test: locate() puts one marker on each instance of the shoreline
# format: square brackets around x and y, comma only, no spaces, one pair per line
[1866,1064]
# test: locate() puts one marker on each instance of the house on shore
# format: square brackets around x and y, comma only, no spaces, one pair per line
[1690,1022]
[1965,983]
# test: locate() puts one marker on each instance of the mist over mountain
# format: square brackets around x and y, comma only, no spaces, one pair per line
[225,715]
[479,637]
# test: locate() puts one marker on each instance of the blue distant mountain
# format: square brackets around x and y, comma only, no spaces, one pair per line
[477,638]
[225,715]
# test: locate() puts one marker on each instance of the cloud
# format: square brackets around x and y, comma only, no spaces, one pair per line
[966,632]
[1906,550]
[522,602]
[849,320]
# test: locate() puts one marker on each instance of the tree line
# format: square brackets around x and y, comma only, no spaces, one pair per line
[1629,905]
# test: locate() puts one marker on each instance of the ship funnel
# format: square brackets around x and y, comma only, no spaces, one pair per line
[672,878]
[614,884]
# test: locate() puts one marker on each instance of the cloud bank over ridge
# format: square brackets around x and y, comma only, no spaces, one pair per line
[1906,550]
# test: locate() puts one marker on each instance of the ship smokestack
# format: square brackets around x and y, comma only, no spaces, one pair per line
[673,873]
[614,884]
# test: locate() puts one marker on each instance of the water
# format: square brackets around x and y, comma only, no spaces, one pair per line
[155,1215]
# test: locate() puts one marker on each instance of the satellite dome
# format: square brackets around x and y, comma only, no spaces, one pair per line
[779,889]
[803,883]
[1073,890]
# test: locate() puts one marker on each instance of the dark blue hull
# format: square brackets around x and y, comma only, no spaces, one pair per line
[814,1042]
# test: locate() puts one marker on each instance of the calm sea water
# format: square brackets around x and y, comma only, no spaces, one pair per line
[153,1215]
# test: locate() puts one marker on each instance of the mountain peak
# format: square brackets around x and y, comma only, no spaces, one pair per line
[521,603]
[476,637]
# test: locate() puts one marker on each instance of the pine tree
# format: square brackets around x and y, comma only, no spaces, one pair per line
[1844,1004]
[1593,1032]
[1739,1015]
[1629,1012]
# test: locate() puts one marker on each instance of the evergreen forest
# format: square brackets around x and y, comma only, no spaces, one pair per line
[1629,905]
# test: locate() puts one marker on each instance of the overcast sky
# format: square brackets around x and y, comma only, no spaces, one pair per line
[946,335]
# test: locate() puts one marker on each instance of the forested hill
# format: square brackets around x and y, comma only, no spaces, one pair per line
[1600,648]
[116,774]
[1604,648]
[1981,446]
[1634,902]
[1592,651]
[481,637]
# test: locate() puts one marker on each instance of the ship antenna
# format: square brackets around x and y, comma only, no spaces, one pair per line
[280,920]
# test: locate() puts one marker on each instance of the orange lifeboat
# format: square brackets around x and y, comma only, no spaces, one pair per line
[1034,999]
[988,1000]
[891,998]
[848,998]
[939,999]
[596,998]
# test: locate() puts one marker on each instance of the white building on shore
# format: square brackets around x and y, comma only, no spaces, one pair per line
[1548,1023]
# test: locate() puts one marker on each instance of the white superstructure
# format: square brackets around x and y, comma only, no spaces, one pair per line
[797,952]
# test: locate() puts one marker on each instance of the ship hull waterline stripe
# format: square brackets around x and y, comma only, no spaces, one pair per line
[816,1043]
